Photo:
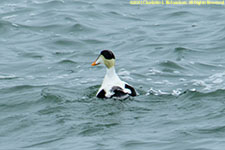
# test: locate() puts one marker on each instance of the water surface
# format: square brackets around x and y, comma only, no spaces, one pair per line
[172,55]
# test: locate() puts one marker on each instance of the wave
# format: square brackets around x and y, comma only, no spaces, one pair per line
[216,130]
[191,93]
[67,61]
[80,28]
[52,95]
[49,3]
[5,26]
[180,13]
[185,49]
[63,53]
[94,41]
[8,77]
[171,64]
[67,42]
[18,88]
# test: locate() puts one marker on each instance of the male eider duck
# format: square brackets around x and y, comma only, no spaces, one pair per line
[112,86]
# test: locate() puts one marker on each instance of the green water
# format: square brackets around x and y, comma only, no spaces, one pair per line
[172,55]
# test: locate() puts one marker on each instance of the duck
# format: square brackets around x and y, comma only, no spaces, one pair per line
[112,86]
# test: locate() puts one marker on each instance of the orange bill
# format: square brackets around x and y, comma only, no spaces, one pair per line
[94,63]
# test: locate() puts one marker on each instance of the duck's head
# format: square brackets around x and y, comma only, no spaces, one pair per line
[107,57]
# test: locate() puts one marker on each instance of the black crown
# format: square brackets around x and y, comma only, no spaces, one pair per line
[108,54]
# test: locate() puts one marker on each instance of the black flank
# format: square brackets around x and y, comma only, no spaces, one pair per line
[101,94]
[118,92]
[133,92]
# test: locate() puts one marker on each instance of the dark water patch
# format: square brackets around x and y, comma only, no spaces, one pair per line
[70,18]
[170,66]
[43,143]
[214,95]
[68,42]
[13,13]
[186,50]
[216,130]
[123,16]
[58,94]
[110,108]
[91,91]
[51,110]
[52,4]
[19,88]
[135,144]
[67,61]
[140,91]
[146,144]
[81,3]
[90,131]
[22,122]
[20,101]
[114,13]
[52,95]
[107,125]
[32,55]
[180,14]
[94,41]
[207,66]
[64,53]
[221,37]
[80,28]
[5,26]
[24,40]
[181,53]
[42,28]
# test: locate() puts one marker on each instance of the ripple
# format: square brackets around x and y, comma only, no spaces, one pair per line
[67,61]
[136,144]
[180,13]
[51,95]
[51,110]
[185,49]
[49,3]
[8,77]
[32,55]
[209,95]
[189,92]
[5,26]
[80,28]
[123,16]
[64,53]
[18,88]
[94,41]
[48,27]
[212,130]
[44,142]
[207,65]
[171,65]
[87,131]
[68,42]
[48,88]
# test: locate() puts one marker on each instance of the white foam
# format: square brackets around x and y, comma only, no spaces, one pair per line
[177,92]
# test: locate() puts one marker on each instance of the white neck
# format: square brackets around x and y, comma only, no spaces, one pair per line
[111,79]
[111,75]
[111,71]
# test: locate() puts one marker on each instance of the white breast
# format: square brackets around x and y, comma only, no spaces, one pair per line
[111,79]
